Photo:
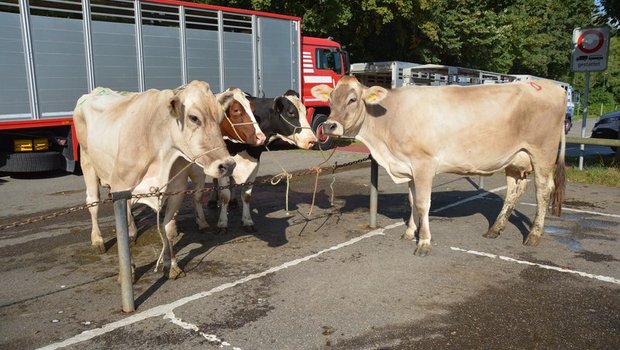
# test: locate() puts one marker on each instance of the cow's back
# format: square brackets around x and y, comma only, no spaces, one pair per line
[473,128]
[115,128]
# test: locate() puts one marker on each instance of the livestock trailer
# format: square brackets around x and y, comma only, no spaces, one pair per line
[54,51]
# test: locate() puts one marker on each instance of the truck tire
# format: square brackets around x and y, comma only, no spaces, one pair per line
[31,162]
[324,142]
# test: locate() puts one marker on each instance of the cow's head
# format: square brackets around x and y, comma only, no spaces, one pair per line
[239,123]
[348,102]
[199,115]
[291,124]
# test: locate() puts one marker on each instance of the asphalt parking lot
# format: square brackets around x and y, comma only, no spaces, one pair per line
[317,277]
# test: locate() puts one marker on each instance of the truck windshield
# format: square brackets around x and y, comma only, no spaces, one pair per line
[328,59]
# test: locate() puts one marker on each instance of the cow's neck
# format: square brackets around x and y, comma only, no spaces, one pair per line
[268,125]
[380,150]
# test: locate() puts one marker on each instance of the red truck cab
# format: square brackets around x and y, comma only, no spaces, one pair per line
[323,62]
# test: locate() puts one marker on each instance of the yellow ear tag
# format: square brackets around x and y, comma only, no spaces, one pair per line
[372,97]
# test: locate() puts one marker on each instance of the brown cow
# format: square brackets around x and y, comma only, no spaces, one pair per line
[419,131]
[131,142]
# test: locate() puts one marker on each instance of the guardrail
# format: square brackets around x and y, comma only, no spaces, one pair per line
[592,141]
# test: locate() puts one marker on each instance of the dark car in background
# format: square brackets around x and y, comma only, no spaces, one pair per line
[607,127]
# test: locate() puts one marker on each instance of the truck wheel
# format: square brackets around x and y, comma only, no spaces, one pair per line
[31,162]
[324,142]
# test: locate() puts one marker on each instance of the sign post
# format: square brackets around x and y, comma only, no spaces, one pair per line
[590,52]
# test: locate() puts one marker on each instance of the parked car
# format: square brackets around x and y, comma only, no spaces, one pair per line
[607,127]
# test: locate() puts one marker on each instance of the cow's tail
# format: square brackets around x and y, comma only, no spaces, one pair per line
[559,179]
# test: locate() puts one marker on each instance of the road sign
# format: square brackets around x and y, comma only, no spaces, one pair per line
[590,49]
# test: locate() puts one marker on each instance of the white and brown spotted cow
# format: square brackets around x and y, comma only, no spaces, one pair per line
[419,131]
[131,142]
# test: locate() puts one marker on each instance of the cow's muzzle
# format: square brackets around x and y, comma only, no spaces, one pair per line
[226,167]
[333,128]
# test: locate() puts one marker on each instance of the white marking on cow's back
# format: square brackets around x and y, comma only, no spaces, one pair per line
[164,309]
[547,267]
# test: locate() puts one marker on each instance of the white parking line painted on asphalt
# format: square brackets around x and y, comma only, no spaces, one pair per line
[548,267]
[189,326]
[163,310]
[580,211]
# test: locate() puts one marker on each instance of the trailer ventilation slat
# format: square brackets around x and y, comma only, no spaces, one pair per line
[57,8]
[11,6]
[237,23]
[160,15]
[113,11]
[201,19]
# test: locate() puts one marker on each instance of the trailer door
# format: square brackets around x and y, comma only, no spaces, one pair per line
[278,56]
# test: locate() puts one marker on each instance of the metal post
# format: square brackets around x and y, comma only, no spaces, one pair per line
[139,46]
[124,255]
[33,92]
[183,41]
[481,182]
[220,48]
[88,45]
[584,118]
[374,193]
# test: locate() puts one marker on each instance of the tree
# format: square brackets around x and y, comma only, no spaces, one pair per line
[506,36]
[611,11]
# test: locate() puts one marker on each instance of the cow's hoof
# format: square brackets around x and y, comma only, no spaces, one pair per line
[212,204]
[531,240]
[221,231]
[408,235]
[175,272]
[98,248]
[491,234]
[233,204]
[249,229]
[422,251]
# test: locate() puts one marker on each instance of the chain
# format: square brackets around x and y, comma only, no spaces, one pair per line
[156,193]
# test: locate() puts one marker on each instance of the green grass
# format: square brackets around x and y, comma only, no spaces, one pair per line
[599,170]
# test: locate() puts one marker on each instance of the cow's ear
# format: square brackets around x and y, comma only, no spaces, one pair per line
[374,95]
[278,106]
[176,107]
[322,92]
[225,98]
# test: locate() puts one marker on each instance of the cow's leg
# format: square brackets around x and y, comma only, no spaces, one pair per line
[411,226]
[170,231]
[246,173]
[131,224]
[246,216]
[198,179]
[544,185]
[516,184]
[423,183]
[92,195]
[222,222]
[213,197]
[173,205]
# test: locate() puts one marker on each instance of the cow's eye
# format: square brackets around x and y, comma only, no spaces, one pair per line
[194,119]
[352,100]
